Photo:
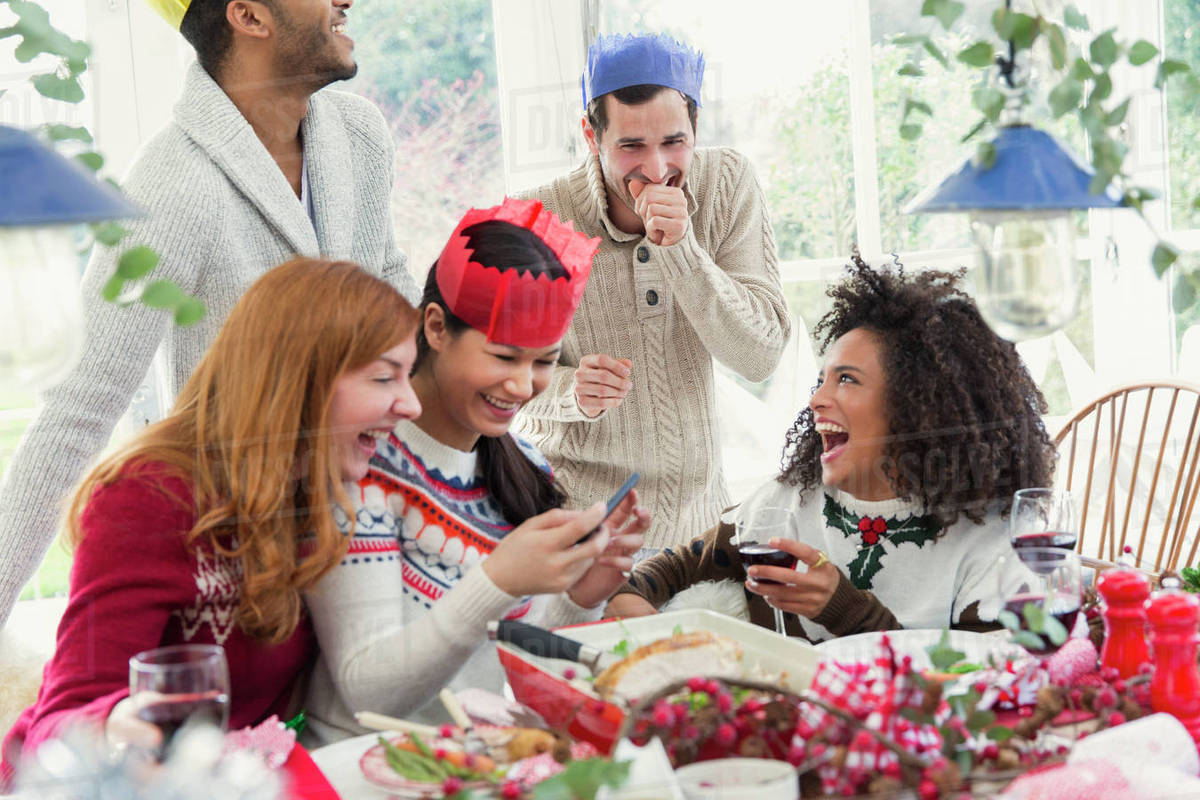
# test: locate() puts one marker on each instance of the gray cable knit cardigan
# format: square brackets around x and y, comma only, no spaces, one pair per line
[671,310]
[220,213]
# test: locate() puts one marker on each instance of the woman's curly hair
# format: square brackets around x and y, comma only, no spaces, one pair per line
[965,416]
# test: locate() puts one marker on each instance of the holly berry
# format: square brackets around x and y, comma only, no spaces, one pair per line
[446,731]
[511,790]
[452,785]
[726,734]
[695,684]
[724,702]
[569,673]
[928,790]
[1116,718]
[712,687]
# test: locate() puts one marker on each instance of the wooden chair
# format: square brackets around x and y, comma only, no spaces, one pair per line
[1131,460]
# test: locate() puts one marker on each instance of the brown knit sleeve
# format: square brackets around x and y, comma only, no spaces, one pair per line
[853,610]
[711,557]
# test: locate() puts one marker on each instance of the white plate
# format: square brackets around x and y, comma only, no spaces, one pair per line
[865,646]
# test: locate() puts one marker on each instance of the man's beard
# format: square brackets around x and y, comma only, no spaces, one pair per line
[310,56]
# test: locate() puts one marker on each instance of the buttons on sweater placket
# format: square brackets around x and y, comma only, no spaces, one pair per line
[650,299]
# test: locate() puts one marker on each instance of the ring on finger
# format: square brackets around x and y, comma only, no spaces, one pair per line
[822,560]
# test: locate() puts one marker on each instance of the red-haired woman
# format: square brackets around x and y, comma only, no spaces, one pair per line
[192,532]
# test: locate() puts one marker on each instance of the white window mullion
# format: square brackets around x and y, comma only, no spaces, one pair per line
[862,129]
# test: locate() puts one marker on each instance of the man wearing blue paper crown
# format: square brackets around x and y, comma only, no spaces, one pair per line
[258,165]
[686,272]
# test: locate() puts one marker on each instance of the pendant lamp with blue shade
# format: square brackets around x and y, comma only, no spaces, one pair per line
[44,196]
[1019,209]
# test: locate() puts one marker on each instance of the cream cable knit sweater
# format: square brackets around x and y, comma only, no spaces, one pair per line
[670,310]
[219,213]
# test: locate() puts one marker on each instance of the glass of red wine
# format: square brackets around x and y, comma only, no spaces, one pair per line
[1042,583]
[1043,517]
[757,527]
[180,686]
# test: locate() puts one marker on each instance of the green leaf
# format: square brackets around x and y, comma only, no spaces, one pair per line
[985,155]
[916,105]
[93,161]
[1009,620]
[1035,616]
[911,70]
[112,288]
[622,648]
[999,733]
[582,779]
[977,720]
[1104,49]
[108,233]
[1058,45]
[983,123]
[942,655]
[861,571]
[1163,257]
[936,52]
[946,11]
[1141,52]
[1055,630]
[910,38]
[1074,18]
[66,90]
[162,294]
[1117,115]
[1101,89]
[189,312]
[1065,97]
[1003,23]
[989,101]
[1025,30]
[1081,70]
[979,54]
[1167,68]
[909,132]
[62,133]
[136,263]
[1030,641]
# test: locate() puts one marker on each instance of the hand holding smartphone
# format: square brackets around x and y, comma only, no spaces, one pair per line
[615,501]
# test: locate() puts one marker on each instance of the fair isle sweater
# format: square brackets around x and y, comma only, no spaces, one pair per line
[219,213]
[898,567]
[670,310]
[405,613]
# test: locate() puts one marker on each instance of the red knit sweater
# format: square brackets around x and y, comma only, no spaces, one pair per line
[135,586]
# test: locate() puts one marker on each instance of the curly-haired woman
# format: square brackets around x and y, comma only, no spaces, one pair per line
[922,425]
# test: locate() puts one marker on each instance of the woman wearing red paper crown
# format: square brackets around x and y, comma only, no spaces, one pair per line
[459,522]
[922,425]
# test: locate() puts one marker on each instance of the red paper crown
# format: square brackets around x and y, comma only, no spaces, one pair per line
[506,303]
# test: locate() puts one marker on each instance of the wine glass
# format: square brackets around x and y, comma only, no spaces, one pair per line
[1043,517]
[757,527]
[1048,579]
[178,686]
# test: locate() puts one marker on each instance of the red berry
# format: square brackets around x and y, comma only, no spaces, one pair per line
[1119,685]
[724,702]
[1109,674]
[1062,750]
[991,751]
[452,785]
[511,790]
[752,705]
[1106,698]
[695,684]
[892,769]
[726,734]
[664,717]
[446,731]
[817,750]
[712,687]
[439,753]
[1146,668]
[1116,718]
[928,790]
[569,673]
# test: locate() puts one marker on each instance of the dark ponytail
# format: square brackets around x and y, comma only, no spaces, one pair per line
[520,487]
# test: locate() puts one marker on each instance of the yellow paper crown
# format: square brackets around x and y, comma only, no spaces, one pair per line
[171,10]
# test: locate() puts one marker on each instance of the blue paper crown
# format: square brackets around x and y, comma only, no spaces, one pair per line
[621,60]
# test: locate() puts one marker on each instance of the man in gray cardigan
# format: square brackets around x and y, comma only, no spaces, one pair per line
[686,272]
[260,164]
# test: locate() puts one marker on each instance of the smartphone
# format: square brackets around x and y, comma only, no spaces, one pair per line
[615,501]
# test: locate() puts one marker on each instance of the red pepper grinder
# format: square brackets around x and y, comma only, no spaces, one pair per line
[1175,687]
[1125,592]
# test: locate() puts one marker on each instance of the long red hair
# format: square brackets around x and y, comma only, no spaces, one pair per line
[249,431]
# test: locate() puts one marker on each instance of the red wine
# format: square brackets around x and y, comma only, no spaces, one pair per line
[754,553]
[171,712]
[1059,610]
[1064,539]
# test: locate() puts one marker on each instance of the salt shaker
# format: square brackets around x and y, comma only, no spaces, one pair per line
[1125,592]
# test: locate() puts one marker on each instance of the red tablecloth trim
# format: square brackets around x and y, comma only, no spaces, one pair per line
[306,781]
